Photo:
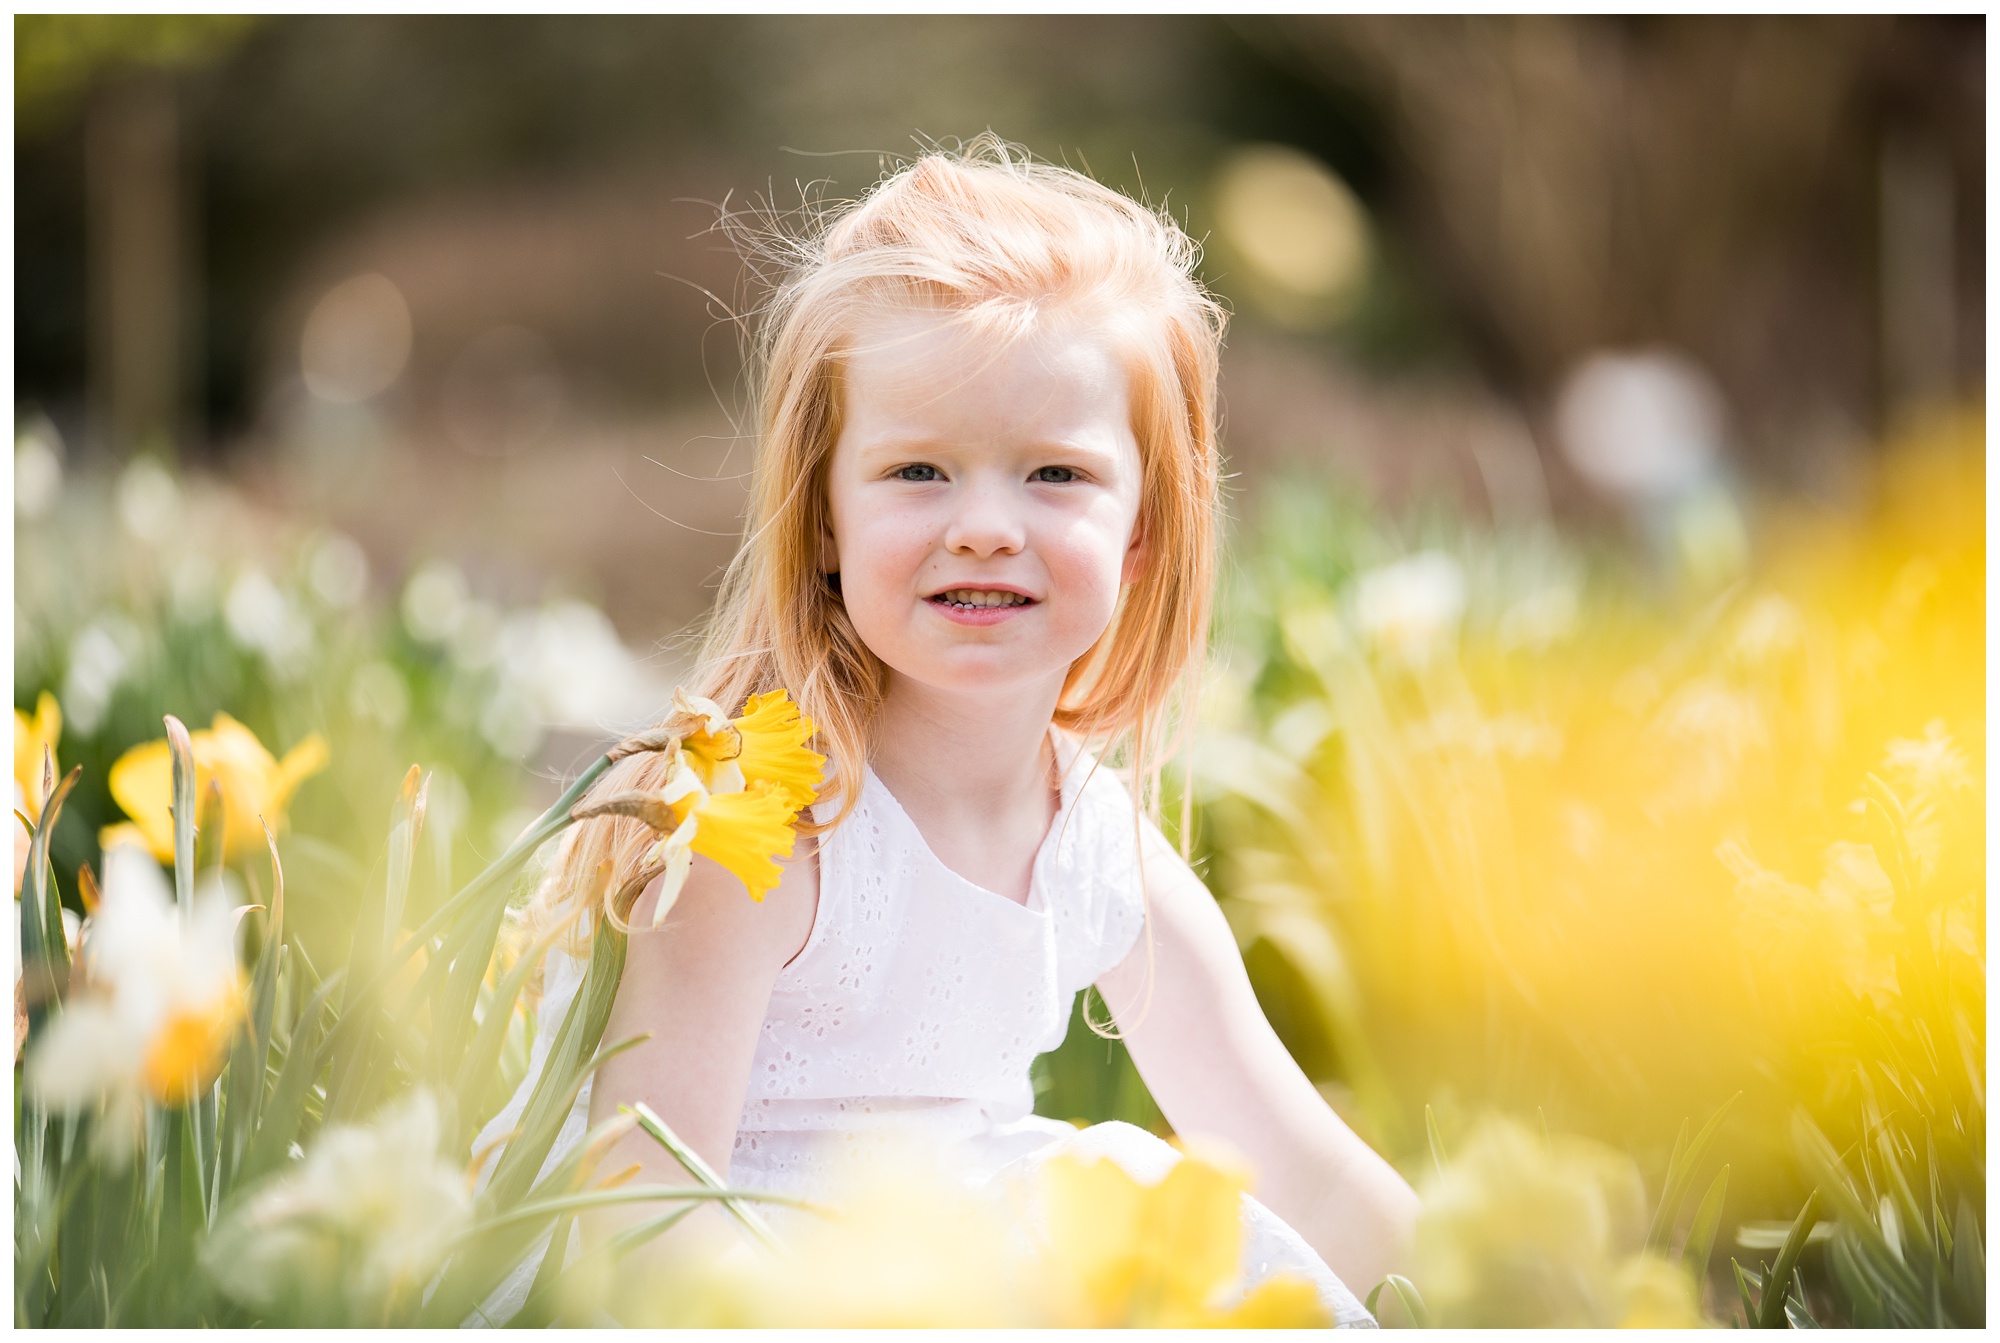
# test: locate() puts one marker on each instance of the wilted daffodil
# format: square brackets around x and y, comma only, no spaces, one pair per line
[1162,1256]
[33,736]
[733,789]
[256,788]
[157,997]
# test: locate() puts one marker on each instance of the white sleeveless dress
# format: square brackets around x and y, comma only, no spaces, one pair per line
[911,1016]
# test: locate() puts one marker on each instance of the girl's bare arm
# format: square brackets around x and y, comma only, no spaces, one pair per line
[1215,1066]
[699,985]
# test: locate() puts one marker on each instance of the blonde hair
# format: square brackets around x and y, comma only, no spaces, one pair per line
[988,236]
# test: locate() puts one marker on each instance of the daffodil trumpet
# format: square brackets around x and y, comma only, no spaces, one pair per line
[732,794]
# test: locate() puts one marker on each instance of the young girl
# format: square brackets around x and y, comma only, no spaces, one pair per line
[982,534]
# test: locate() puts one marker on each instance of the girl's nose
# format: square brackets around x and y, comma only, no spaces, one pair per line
[985,522]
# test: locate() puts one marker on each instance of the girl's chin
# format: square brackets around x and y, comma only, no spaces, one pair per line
[989,679]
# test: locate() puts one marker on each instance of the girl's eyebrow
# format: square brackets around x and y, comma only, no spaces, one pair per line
[895,445]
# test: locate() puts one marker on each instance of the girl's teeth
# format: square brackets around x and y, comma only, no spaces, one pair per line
[974,598]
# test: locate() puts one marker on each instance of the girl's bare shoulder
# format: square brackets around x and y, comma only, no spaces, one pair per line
[714,917]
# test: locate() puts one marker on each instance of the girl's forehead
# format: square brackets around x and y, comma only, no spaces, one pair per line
[919,362]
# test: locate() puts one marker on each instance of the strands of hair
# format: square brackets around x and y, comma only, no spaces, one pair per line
[987,235]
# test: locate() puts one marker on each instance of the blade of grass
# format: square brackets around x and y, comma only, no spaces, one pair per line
[691,1160]
[484,1054]
[1436,1140]
[181,749]
[283,1116]
[1771,1315]
[1745,1280]
[1700,1244]
[1681,1168]
[1796,1314]
[555,1090]
[44,949]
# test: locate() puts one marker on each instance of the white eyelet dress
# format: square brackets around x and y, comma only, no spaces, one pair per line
[916,1006]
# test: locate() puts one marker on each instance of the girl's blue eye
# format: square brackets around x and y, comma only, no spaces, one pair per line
[1054,475]
[917,471]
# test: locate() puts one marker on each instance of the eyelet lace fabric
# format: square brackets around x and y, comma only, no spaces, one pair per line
[912,1014]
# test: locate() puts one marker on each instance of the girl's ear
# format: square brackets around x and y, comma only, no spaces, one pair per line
[1136,554]
[829,554]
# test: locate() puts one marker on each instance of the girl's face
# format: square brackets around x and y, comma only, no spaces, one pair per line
[983,504]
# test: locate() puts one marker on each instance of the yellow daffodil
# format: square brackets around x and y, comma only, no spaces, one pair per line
[33,736]
[158,998]
[732,792]
[767,743]
[1122,1253]
[256,788]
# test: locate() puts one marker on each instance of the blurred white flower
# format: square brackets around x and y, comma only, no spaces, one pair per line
[263,619]
[359,1225]
[338,571]
[38,468]
[155,1001]
[568,660]
[475,641]
[100,656]
[434,601]
[149,500]
[1411,607]
[1769,628]
[1642,427]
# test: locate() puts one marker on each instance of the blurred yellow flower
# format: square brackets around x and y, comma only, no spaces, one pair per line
[33,736]
[151,1014]
[1164,1256]
[1520,1231]
[256,788]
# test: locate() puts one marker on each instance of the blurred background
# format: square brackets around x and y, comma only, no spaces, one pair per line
[1603,406]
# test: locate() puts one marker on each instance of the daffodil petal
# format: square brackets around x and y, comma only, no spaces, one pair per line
[34,740]
[744,832]
[142,782]
[774,737]
[303,761]
[677,853]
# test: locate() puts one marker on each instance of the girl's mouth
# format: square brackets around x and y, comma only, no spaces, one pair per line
[979,599]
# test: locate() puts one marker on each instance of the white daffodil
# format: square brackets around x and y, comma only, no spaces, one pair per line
[1411,607]
[353,1229]
[155,999]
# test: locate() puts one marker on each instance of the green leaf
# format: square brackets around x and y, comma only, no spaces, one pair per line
[1796,1313]
[1968,1266]
[1412,1301]
[1681,1167]
[656,1128]
[484,1055]
[181,749]
[44,948]
[1745,1280]
[1772,1313]
[1700,1244]
[282,1120]
[562,1072]
[1436,1140]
